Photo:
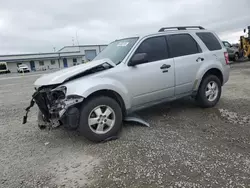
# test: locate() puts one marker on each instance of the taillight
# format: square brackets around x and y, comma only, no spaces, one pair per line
[226,57]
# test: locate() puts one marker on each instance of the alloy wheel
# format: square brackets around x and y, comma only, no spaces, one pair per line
[101,119]
[212,91]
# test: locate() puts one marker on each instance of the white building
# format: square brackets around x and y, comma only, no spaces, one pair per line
[89,51]
[66,57]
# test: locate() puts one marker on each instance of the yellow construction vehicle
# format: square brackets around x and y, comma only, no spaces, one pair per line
[244,47]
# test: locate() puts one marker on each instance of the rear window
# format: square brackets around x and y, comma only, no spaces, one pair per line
[209,40]
[182,44]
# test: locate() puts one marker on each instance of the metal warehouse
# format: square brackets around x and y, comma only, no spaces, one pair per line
[66,57]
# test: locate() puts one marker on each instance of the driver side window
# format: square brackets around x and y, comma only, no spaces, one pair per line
[155,48]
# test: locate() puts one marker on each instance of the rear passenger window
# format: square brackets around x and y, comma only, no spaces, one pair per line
[155,47]
[209,40]
[182,44]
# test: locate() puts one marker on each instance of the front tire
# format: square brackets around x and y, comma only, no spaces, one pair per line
[209,91]
[100,119]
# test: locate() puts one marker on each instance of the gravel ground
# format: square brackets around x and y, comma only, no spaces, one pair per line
[186,146]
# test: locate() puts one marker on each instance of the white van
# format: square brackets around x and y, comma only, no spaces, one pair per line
[4,68]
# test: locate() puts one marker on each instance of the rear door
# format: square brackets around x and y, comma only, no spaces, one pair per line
[212,42]
[188,58]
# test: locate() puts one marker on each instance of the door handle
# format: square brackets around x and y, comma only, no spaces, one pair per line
[200,58]
[164,66]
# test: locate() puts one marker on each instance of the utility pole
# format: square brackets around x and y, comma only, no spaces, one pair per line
[77,39]
[59,60]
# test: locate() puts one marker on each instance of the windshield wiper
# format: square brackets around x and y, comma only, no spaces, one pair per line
[118,62]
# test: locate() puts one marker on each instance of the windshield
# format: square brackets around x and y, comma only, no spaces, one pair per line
[117,50]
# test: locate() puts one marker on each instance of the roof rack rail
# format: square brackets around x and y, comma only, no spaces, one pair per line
[181,28]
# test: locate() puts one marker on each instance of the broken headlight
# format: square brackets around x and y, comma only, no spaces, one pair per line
[58,93]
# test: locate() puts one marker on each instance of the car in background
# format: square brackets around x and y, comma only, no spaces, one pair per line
[23,68]
[233,52]
[4,68]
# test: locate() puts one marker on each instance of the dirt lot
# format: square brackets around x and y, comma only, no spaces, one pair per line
[186,146]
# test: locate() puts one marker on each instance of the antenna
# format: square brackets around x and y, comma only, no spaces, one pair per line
[73,41]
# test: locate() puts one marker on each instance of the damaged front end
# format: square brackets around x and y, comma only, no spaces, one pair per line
[54,106]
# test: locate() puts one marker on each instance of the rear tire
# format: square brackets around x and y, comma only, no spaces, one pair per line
[100,119]
[209,91]
[236,56]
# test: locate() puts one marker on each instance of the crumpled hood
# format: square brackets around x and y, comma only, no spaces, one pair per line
[60,76]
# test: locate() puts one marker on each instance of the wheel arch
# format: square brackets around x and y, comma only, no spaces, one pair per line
[216,72]
[112,94]
[105,86]
[212,71]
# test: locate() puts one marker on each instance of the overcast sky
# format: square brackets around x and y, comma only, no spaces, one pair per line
[39,25]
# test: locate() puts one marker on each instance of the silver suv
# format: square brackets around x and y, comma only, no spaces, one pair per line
[131,74]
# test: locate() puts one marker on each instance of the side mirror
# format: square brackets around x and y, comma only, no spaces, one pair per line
[138,59]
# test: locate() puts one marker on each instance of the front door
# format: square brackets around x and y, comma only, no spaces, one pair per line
[187,58]
[152,81]
[65,62]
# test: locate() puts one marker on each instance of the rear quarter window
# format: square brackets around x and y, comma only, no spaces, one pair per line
[209,40]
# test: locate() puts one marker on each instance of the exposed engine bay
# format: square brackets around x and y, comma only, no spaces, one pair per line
[53,103]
